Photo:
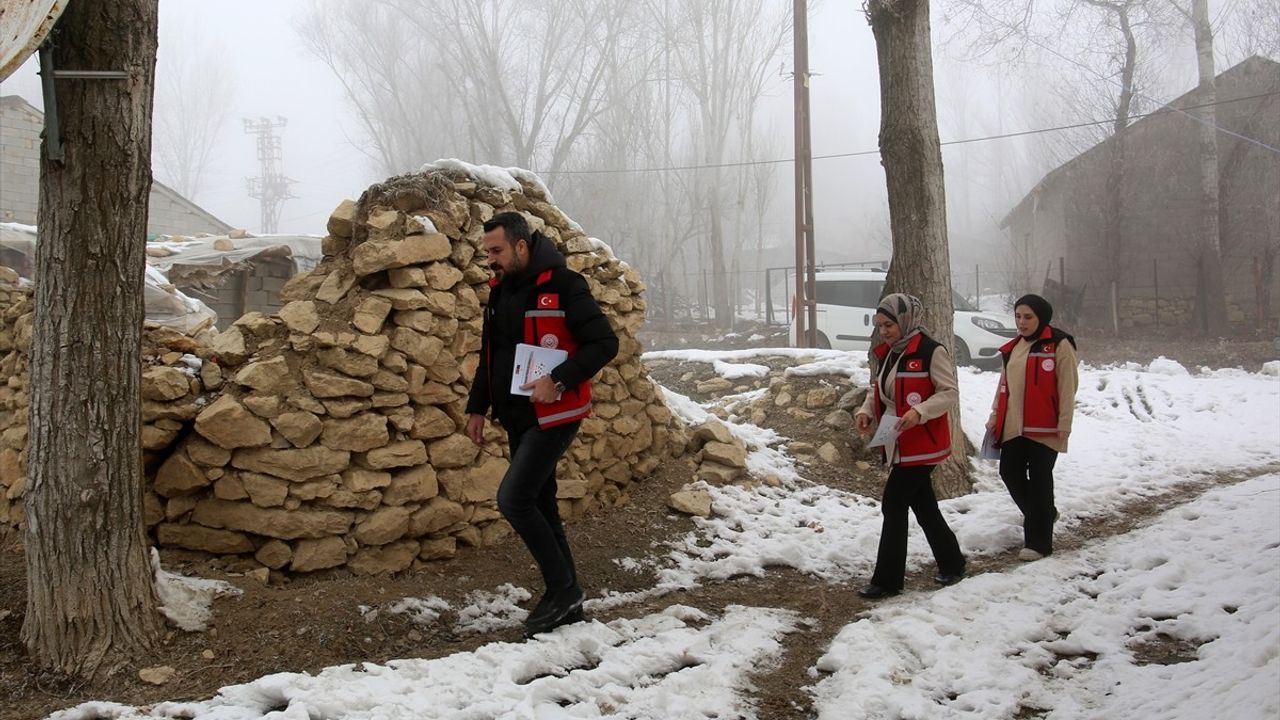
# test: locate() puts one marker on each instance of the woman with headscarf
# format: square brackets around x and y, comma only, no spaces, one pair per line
[1031,417]
[915,388]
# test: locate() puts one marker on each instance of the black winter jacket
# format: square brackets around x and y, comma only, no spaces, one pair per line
[504,328]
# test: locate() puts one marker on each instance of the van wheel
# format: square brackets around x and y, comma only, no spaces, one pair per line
[962,353]
[823,342]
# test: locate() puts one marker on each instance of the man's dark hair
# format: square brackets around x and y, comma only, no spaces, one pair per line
[516,227]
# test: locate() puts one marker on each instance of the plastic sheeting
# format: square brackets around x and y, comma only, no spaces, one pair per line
[165,304]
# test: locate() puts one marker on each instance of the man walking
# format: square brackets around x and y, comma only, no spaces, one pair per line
[536,299]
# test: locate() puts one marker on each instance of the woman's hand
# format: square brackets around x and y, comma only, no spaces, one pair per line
[991,423]
[864,424]
[908,421]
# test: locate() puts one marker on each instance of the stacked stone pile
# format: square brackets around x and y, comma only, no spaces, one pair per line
[337,439]
[175,381]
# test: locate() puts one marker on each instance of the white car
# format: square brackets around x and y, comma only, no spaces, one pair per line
[847,306]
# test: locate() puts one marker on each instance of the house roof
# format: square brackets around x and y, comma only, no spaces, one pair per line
[1255,64]
[18,103]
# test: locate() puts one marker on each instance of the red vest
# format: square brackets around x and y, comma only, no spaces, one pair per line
[928,443]
[1040,394]
[545,325]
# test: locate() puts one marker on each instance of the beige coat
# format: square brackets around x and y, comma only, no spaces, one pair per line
[1015,372]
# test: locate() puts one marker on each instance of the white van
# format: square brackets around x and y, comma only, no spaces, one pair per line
[847,303]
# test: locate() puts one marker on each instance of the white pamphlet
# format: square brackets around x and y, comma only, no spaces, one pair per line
[885,432]
[989,449]
[533,362]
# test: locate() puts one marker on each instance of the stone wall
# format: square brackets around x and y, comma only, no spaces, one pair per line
[173,393]
[1137,312]
[336,437]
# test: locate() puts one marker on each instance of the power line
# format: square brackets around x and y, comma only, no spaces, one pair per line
[984,138]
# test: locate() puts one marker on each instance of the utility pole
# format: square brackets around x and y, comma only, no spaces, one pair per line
[806,328]
[271,188]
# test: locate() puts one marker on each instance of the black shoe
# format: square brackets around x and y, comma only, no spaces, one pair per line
[949,579]
[557,610]
[875,592]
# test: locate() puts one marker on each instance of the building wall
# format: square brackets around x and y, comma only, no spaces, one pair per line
[19,161]
[1159,248]
[20,126]
[254,289]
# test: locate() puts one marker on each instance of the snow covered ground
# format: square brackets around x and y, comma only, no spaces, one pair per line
[1062,635]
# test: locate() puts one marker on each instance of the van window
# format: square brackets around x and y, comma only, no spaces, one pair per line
[849,293]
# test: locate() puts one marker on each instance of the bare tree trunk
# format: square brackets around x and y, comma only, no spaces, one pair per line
[912,157]
[1211,293]
[1113,238]
[89,584]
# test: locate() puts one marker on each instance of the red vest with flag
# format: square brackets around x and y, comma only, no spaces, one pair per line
[928,443]
[1040,391]
[545,325]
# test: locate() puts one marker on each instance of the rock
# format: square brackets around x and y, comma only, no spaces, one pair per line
[300,316]
[838,420]
[179,476]
[399,454]
[227,424]
[271,522]
[355,364]
[782,399]
[312,555]
[264,490]
[438,514]
[362,432]
[259,575]
[266,408]
[384,525]
[691,502]
[725,454]
[439,549]
[374,256]
[329,385]
[228,347]
[453,451]
[718,474]
[828,453]
[370,314]
[274,554]
[342,220]
[296,464]
[299,428]
[157,674]
[164,384]
[411,486]
[211,375]
[336,285]
[383,560]
[359,480]
[196,537]
[424,350]
[482,482]
[714,386]
[711,430]
[821,397]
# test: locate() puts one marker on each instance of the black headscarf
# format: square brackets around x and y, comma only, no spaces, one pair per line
[1042,309]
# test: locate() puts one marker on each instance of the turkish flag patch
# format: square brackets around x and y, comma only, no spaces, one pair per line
[549,302]
[1048,347]
[915,365]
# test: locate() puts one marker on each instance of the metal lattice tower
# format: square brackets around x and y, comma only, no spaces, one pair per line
[271,189]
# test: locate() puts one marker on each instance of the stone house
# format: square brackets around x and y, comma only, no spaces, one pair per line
[20,126]
[1155,267]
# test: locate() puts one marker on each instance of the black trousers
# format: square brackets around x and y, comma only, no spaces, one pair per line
[527,498]
[1026,467]
[910,487]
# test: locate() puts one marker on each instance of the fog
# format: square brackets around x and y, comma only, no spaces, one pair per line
[248,59]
